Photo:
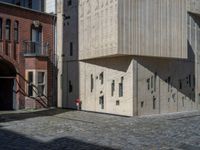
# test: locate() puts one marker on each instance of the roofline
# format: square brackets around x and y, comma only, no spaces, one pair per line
[27,9]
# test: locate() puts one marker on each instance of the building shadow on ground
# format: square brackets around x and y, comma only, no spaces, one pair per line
[15,116]
[10,140]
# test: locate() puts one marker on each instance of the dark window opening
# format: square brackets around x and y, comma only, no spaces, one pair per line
[8,27]
[142,104]
[148,84]
[16,31]
[152,82]
[113,88]
[180,84]
[183,101]
[71,49]
[154,103]
[92,83]
[117,102]
[30,4]
[101,102]
[70,87]
[121,86]
[155,79]
[169,83]
[30,85]
[101,77]
[69,3]
[0,28]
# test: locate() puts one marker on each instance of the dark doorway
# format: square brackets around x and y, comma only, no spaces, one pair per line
[7,85]
[6,94]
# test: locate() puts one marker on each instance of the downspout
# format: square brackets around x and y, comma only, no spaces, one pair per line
[54,60]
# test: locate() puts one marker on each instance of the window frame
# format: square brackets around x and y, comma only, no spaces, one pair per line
[1,28]
[16,31]
[8,29]
[35,83]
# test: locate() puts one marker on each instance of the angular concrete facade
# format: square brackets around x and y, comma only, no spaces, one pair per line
[133,57]
[132,27]
[149,52]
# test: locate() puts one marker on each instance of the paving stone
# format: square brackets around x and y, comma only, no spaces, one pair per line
[65,129]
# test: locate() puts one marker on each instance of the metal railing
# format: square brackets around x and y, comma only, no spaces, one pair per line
[35,48]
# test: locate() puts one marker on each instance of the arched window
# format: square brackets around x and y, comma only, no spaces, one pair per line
[0,28]
[16,31]
[8,25]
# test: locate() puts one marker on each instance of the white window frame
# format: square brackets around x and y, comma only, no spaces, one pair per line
[35,81]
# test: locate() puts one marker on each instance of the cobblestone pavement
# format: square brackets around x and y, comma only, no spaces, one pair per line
[65,129]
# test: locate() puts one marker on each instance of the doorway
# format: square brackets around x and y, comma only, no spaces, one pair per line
[7,85]
[6,94]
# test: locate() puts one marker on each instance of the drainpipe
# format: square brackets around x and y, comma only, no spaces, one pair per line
[54,60]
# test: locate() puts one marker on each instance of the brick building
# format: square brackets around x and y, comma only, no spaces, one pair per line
[26,58]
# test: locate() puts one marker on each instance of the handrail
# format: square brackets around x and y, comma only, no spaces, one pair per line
[35,48]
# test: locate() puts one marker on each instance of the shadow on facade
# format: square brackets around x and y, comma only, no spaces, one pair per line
[177,73]
[115,63]
[11,140]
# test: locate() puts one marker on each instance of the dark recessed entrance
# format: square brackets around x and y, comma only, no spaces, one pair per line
[7,85]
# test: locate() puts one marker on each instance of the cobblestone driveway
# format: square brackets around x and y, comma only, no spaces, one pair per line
[62,129]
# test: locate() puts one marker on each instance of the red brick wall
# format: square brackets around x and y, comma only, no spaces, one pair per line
[25,18]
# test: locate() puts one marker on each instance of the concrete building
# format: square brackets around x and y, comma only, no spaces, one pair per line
[67,52]
[26,58]
[129,57]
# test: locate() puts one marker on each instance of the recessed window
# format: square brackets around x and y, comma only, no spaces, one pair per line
[101,77]
[183,101]
[154,103]
[8,27]
[30,3]
[121,87]
[101,101]
[142,104]
[155,79]
[169,83]
[180,84]
[41,83]
[71,49]
[36,34]
[152,82]
[92,83]
[148,84]
[113,88]
[117,103]
[30,83]
[69,3]
[16,31]
[0,28]
[70,86]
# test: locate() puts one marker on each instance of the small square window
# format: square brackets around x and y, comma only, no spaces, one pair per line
[69,3]
[142,104]
[117,102]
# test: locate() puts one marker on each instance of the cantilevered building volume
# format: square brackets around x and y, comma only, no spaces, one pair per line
[133,57]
